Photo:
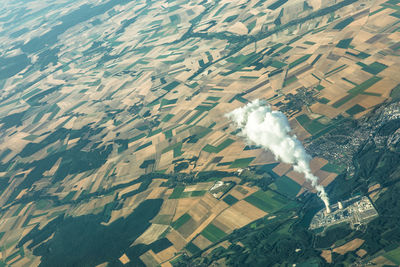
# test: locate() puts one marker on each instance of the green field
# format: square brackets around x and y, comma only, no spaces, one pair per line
[231,18]
[192,248]
[163,219]
[171,86]
[336,69]
[165,102]
[192,194]
[355,109]
[311,126]
[242,163]
[213,98]
[251,25]
[373,68]
[230,200]
[341,25]
[177,192]
[323,100]
[289,81]
[152,133]
[220,147]
[277,64]
[393,255]
[345,43]
[329,167]
[267,201]
[168,134]
[39,116]
[181,221]
[194,117]
[177,148]
[361,55]
[299,61]
[281,52]
[356,90]
[213,233]
[144,146]
[395,93]
[286,186]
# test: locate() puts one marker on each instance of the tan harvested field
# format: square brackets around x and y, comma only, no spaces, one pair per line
[329,179]
[166,264]
[361,253]
[325,110]
[24,262]
[157,193]
[219,207]
[241,192]
[201,242]
[166,254]
[184,204]
[149,258]
[301,133]
[198,187]
[188,228]
[382,261]
[349,246]
[201,227]
[199,211]
[176,239]
[282,168]
[317,163]
[383,87]
[124,259]
[238,215]
[374,187]
[327,255]
[169,206]
[129,189]
[297,177]
[151,234]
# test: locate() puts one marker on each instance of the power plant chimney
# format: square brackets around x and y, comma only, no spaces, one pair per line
[328,210]
[326,202]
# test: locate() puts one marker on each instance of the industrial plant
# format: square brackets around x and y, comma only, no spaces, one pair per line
[355,211]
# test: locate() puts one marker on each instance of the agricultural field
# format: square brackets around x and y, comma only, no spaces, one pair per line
[393,256]
[115,110]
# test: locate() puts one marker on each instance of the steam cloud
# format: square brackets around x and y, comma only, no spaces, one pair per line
[262,126]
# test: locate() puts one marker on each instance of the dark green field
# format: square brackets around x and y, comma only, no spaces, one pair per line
[393,255]
[181,221]
[242,163]
[341,25]
[177,192]
[355,109]
[299,61]
[213,233]
[311,126]
[345,43]
[356,90]
[267,201]
[287,186]
[192,194]
[230,200]
[220,147]
[329,167]
[373,68]
[192,248]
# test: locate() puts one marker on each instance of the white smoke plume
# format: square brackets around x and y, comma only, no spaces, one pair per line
[270,129]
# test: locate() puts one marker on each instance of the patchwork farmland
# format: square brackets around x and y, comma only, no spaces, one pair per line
[111,109]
